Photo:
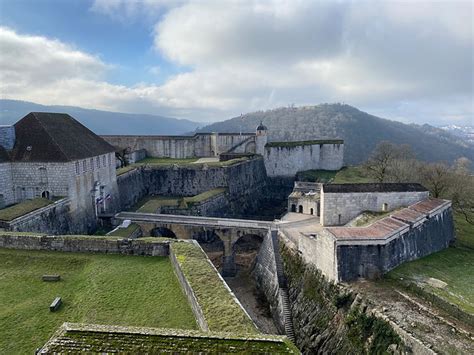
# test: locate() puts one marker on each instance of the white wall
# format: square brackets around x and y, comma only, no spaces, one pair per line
[288,160]
[350,205]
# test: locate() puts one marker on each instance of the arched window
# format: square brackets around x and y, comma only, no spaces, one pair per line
[312,211]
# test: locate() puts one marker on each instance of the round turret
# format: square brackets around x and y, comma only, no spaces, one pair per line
[261,127]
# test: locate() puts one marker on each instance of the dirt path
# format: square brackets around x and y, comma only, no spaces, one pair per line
[243,285]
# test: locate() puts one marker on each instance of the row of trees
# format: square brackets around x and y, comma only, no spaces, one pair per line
[397,163]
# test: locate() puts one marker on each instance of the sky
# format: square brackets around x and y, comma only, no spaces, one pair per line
[411,61]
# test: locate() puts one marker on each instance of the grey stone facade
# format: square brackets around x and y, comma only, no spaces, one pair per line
[349,253]
[288,160]
[340,208]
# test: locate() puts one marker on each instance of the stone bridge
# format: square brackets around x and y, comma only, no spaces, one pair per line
[230,231]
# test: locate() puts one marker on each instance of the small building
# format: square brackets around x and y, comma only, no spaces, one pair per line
[52,155]
[305,198]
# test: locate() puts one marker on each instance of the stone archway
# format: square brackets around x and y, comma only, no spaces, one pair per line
[245,250]
[213,245]
[46,194]
[162,232]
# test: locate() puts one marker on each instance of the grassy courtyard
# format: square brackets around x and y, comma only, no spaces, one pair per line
[101,289]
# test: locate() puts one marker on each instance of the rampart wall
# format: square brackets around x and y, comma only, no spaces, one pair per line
[339,208]
[55,218]
[363,260]
[349,253]
[245,183]
[287,160]
[178,147]
[6,185]
[84,244]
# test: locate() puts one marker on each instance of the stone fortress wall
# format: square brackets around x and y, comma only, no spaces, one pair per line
[340,208]
[245,183]
[349,253]
[179,147]
[286,159]
[6,185]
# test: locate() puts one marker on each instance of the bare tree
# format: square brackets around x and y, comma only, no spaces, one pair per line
[437,178]
[383,160]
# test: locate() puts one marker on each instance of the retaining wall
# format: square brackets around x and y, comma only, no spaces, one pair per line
[245,183]
[84,244]
[197,310]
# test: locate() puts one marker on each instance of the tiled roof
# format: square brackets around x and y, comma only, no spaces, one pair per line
[373,187]
[387,226]
[55,137]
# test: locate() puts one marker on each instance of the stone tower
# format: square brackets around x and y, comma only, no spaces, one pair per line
[260,139]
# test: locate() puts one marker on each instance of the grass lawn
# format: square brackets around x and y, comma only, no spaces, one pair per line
[22,208]
[220,310]
[125,232]
[351,175]
[454,265]
[165,161]
[152,204]
[95,288]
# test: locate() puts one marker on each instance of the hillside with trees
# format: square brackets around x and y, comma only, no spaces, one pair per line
[360,131]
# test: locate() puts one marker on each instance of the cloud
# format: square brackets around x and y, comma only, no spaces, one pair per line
[395,58]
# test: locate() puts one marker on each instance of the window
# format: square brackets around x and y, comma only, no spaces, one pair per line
[312,211]
[92,164]
[77,168]
[103,161]
[97,160]
[385,207]
[300,209]
[84,166]
[109,158]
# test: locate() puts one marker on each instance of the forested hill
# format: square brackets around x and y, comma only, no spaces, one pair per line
[360,131]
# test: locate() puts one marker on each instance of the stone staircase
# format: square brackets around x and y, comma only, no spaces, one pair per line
[246,140]
[283,288]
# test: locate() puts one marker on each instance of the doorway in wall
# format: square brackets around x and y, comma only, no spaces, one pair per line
[300,209]
[45,194]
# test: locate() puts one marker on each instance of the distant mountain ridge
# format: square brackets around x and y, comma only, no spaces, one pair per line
[360,131]
[102,122]
[466,133]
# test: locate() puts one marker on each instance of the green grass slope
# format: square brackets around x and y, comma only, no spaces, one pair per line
[100,289]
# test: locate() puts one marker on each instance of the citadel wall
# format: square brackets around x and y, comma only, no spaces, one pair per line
[286,159]
[6,185]
[340,208]
[179,147]
[84,244]
[349,253]
[245,183]
[360,260]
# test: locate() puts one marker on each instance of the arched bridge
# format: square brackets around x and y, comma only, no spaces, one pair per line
[230,231]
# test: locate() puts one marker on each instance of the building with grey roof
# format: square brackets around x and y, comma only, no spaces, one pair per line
[52,155]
